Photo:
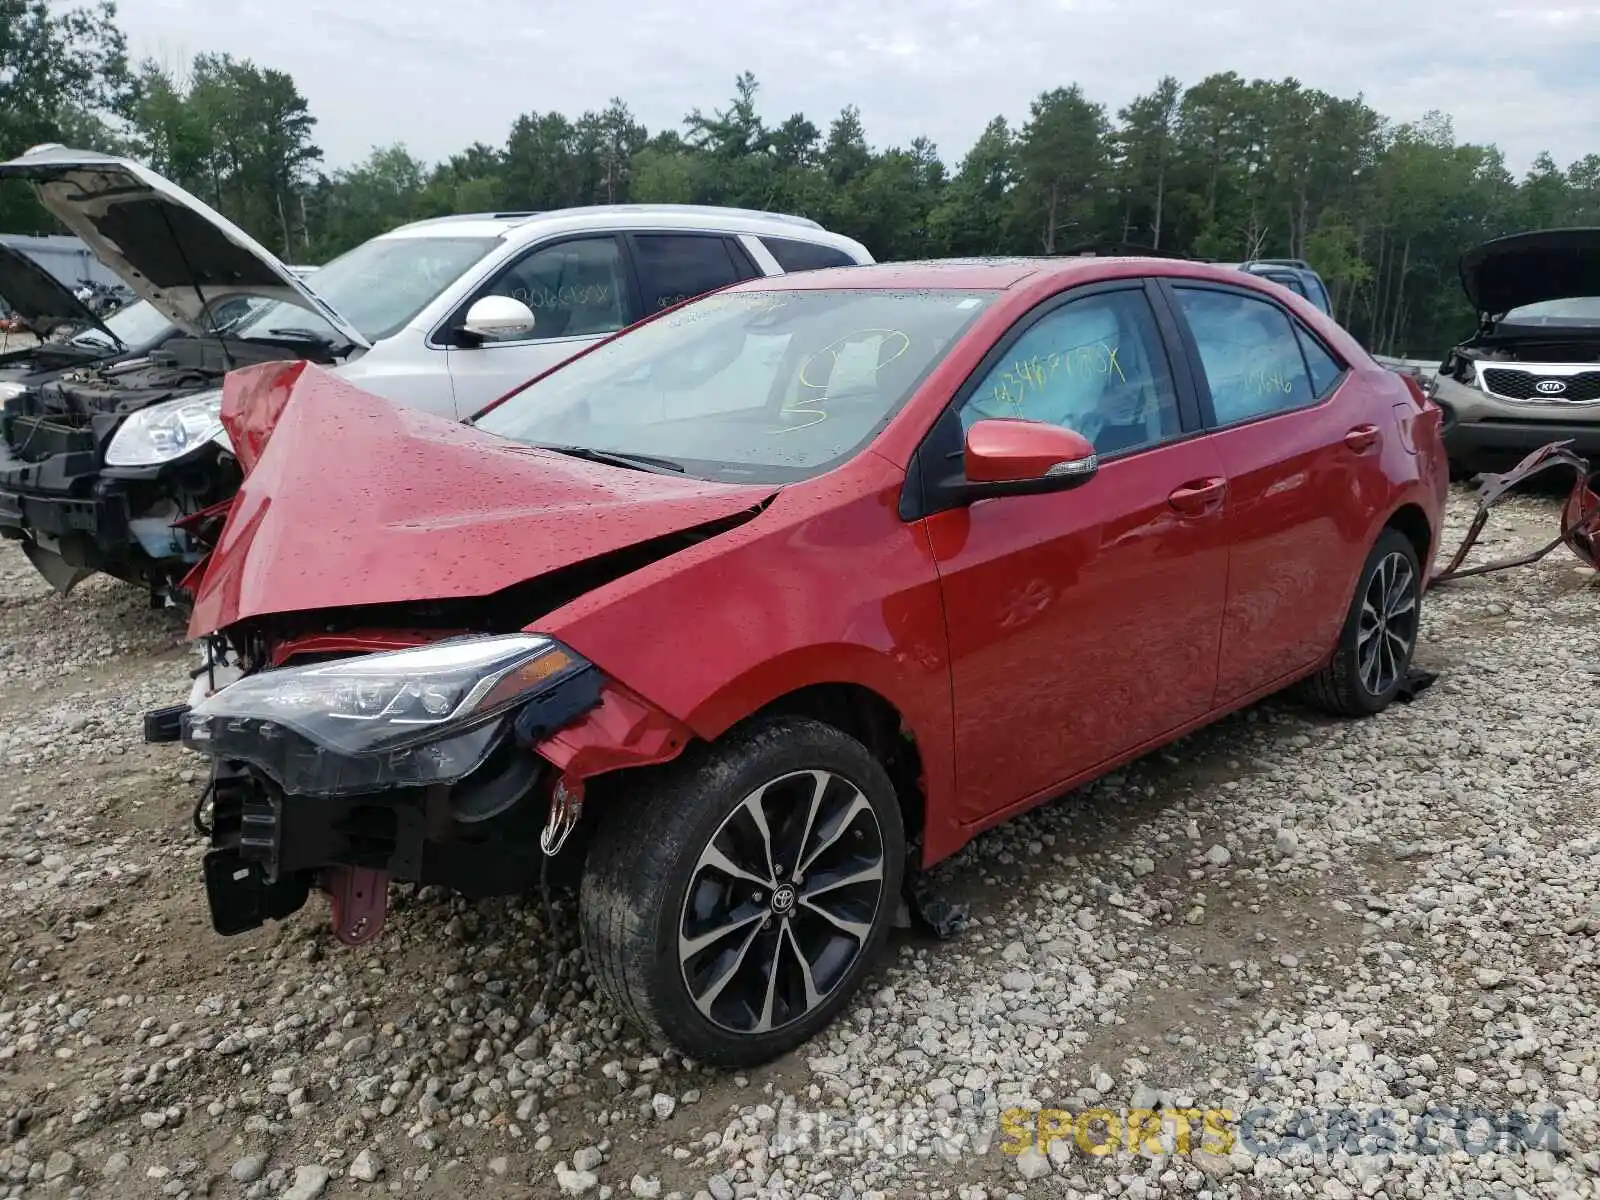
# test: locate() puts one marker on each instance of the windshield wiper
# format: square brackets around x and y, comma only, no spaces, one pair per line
[634,462]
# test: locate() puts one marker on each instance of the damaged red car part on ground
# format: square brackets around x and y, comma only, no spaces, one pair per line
[751,613]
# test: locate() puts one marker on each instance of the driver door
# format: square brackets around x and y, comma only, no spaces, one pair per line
[1082,624]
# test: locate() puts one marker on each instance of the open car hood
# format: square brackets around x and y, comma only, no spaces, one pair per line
[169,247]
[1525,268]
[350,500]
[42,301]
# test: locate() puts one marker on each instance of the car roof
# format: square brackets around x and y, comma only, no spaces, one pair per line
[987,274]
[523,226]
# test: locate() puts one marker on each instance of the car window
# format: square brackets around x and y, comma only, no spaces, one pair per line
[377,287]
[575,288]
[675,267]
[1095,366]
[1573,310]
[769,386]
[805,256]
[1250,354]
[1322,366]
[1292,282]
[1319,295]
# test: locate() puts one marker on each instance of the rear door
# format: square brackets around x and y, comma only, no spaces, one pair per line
[1082,624]
[678,266]
[1304,474]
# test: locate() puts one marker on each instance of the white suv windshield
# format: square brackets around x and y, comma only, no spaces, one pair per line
[135,324]
[759,386]
[377,287]
[1574,310]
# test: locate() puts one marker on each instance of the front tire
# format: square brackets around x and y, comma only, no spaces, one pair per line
[732,906]
[1379,636]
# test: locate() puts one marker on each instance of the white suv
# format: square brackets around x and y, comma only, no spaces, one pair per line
[488,301]
[442,315]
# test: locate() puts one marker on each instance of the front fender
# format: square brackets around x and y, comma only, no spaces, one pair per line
[819,589]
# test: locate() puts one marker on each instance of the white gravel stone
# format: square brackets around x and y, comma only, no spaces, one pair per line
[366,1167]
[1033,1165]
[308,1183]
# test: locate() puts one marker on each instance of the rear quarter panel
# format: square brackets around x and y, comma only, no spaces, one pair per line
[1414,471]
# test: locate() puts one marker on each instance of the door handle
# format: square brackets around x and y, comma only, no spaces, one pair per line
[1362,437]
[1199,496]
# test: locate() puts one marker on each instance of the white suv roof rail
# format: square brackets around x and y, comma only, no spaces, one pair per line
[703,210]
[516,217]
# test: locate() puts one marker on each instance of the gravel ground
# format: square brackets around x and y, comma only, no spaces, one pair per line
[1305,923]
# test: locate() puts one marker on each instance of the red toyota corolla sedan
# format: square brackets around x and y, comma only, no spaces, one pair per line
[761,605]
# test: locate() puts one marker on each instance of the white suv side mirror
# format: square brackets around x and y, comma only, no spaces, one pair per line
[499,318]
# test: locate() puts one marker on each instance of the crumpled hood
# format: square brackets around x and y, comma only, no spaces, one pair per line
[44,303]
[350,500]
[1525,268]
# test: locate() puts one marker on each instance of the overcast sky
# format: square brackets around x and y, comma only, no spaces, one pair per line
[439,75]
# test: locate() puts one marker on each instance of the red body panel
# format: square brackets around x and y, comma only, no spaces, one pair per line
[1078,622]
[1027,642]
[1303,509]
[355,501]
[829,585]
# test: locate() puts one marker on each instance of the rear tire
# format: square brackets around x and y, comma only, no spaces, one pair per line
[1379,637]
[732,905]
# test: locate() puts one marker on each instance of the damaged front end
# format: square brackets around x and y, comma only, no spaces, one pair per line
[458,762]
[1580,512]
[77,496]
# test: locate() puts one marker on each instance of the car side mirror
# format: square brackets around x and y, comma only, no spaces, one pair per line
[1005,456]
[498,319]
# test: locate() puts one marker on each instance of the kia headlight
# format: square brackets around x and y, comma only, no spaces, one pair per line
[397,718]
[167,431]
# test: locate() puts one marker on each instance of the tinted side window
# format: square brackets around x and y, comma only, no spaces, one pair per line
[1323,367]
[1096,366]
[676,267]
[575,288]
[1250,353]
[805,256]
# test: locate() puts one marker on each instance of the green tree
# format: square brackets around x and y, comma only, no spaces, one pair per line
[63,78]
[1062,156]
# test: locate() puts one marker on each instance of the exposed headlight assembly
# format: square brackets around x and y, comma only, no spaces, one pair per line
[399,718]
[167,431]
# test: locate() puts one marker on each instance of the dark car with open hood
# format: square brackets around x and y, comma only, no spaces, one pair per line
[749,613]
[1530,373]
[103,447]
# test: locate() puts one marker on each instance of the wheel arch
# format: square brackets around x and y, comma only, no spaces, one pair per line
[1411,521]
[874,721]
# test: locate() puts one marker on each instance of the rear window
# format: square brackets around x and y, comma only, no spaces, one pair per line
[805,256]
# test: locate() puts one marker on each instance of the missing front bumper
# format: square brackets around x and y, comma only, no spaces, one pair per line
[1580,512]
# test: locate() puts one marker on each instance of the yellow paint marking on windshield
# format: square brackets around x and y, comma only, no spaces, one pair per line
[805,406]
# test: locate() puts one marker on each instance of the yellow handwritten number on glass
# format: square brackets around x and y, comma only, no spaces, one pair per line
[804,406]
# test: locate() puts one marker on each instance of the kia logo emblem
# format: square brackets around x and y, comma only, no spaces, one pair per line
[1550,387]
